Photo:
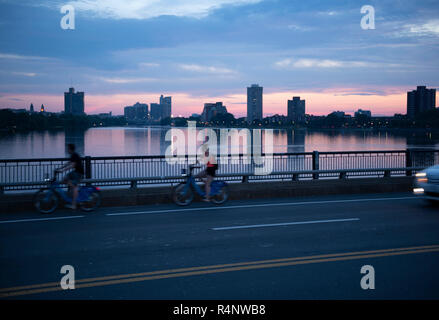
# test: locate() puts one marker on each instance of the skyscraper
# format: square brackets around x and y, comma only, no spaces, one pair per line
[166,105]
[420,100]
[73,102]
[296,110]
[31,109]
[254,103]
[156,112]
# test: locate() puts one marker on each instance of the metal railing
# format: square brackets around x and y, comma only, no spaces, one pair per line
[25,174]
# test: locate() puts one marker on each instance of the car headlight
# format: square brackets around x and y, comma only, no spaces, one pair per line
[421,177]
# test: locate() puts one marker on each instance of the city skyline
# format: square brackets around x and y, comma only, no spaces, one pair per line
[295,108]
[211,52]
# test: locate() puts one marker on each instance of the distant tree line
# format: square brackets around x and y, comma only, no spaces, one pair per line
[426,120]
[11,121]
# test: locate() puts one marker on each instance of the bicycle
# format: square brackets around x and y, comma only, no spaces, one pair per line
[183,193]
[46,200]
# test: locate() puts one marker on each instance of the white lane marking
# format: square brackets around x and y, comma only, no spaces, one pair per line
[40,219]
[257,206]
[284,224]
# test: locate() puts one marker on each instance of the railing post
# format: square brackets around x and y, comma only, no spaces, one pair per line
[295,177]
[244,179]
[2,190]
[315,164]
[342,175]
[408,161]
[133,184]
[386,173]
[88,168]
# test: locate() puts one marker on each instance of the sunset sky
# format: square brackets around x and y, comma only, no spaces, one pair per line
[124,51]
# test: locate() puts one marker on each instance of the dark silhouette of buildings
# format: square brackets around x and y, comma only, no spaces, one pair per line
[156,112]
[211,110]
[364,113]
[166,105]
[296,110]
[137,112]
[73,102]
[254,103]
[420,100]
[31,109]
[42,109]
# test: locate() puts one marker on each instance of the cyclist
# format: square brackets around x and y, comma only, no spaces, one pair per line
[73,177]
[209,173]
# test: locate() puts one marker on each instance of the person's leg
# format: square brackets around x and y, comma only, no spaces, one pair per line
[208,182]
[76,179]
[202,175]
[75,196]
[72,182]
[72,188]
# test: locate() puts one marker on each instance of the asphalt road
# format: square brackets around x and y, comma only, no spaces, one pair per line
[301,248]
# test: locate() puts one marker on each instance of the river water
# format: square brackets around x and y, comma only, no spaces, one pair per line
[131,141]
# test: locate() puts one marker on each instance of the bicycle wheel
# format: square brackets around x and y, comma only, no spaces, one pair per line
[221,196]
[92,203]
[182,197]
[45,201]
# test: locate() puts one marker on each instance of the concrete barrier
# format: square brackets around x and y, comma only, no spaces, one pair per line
[254,190]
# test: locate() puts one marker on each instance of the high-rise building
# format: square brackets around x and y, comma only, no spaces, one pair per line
[254,103]
[296,110]
[141,110]
[73,102]
[156,112]
[42,109]
[420,100]
[212,109]
[137,112]
[31,109]
[130,113]
[166,104]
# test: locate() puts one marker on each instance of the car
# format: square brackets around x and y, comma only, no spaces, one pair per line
[427,183]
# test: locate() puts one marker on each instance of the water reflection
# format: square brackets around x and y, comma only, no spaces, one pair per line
[151,141]
[76,137]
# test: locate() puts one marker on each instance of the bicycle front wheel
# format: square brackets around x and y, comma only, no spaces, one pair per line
[181,196]
[45,201]
[92,203]
[221,196]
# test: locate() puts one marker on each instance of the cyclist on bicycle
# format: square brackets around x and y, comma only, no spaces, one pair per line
[73,178]
[209,173]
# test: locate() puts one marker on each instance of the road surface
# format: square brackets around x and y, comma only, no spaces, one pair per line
[301,248]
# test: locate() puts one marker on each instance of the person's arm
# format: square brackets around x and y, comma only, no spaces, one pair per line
[67,166]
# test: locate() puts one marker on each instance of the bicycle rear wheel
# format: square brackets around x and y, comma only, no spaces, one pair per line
[181,196]
[45,201]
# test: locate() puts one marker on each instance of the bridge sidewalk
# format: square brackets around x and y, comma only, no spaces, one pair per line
[157,195]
